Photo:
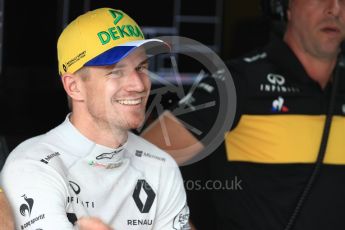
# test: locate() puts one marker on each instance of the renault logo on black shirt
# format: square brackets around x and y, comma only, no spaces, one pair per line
[143,206]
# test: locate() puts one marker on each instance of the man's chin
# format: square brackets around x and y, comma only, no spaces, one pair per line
[330,46]
[126,121]
[135,123]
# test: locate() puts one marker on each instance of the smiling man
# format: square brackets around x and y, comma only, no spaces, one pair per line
[91,170]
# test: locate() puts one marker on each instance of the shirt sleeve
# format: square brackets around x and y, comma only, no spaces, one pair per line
[173,211]
[37,194]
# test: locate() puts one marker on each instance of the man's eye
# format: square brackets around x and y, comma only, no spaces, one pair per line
[142,68]
[116,73]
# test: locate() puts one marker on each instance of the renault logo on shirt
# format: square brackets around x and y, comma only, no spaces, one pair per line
[144,206]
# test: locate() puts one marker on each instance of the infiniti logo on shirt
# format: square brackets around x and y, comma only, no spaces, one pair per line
[75,187]
[76,199]
[108,155]
[275,79]
[277,84]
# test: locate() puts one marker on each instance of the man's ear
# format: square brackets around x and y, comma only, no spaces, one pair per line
[288,13]
[72,86]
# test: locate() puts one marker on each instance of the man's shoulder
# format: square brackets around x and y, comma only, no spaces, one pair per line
[35,149]
[257,68]
[26,148]
[253,61]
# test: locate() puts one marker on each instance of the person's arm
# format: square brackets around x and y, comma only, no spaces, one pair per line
[37,194]
[6,216]
[172,210]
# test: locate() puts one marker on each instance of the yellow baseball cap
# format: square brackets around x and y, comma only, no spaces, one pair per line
[101,37]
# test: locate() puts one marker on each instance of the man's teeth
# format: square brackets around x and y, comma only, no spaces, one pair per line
[130,102]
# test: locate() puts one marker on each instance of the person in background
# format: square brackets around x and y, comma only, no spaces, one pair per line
[283,96]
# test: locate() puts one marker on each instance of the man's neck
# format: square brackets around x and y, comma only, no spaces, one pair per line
[318,69]
[98,132]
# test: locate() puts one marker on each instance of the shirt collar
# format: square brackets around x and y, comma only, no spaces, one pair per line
[281,55]
[95,154]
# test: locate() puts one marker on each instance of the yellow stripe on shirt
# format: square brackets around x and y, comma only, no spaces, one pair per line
[285,139]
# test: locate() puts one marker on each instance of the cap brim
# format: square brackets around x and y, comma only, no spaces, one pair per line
[116,54]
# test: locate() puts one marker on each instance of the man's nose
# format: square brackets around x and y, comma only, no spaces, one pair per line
[334,7]
[135,82]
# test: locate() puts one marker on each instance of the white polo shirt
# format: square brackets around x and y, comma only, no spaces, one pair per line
[53,179]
